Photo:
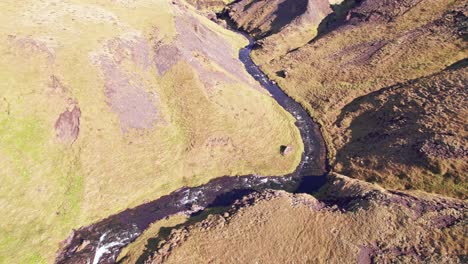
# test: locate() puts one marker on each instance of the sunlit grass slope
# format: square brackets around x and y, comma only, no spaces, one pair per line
[380,44]
[108,104]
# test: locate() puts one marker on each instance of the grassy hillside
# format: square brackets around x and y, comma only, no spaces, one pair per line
[107,104]
[351,221]
[366,46]
[280,25]
[409,136]
[387,81]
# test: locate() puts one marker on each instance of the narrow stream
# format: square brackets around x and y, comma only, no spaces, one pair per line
[102,242]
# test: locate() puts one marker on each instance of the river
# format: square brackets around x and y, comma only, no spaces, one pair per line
[102,242]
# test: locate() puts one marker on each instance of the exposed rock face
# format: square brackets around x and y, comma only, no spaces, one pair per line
[363,222]
[67,125]
[444,150]
[281,25]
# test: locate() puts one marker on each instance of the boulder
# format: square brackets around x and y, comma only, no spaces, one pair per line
[286,150]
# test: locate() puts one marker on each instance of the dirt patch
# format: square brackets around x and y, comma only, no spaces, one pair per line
[135,107]
[134,49]
[67,126]
[166,56]
[200,45]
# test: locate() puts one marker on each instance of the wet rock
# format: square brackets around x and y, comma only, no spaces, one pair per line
[193,208]
[258,44]
[212,16]
[282,73]
[83,245]
[222,23]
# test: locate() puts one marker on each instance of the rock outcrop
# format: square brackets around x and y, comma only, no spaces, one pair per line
[280,25]
[396,53]
[348,220]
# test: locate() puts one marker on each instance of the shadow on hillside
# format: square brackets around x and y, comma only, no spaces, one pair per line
[286,13]
[391,124]
[337,18]
[387,131]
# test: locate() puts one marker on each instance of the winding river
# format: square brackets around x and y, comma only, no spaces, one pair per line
[102,242]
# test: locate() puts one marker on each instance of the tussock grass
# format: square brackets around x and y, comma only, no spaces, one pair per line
[352,61]
[366,223]
[133,252]
[49,187]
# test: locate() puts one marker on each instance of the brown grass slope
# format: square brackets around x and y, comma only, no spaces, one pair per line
[351,221]
[279,25]
[365,46]
[209,6]
[412,135]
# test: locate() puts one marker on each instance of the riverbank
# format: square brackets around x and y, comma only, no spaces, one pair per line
[103,241]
